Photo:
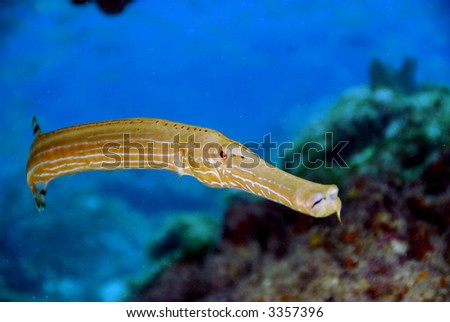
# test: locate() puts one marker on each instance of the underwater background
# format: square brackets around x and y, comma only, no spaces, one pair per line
[375,73]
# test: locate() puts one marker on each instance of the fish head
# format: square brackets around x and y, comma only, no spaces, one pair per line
[320,204]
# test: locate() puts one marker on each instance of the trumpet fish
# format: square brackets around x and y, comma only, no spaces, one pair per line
[147,143]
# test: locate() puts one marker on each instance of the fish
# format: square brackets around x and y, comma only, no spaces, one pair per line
[151,143]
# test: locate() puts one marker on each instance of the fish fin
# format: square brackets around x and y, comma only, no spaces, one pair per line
[39,194]
[35,127]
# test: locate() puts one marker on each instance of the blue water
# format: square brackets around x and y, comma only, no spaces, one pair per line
[245,68]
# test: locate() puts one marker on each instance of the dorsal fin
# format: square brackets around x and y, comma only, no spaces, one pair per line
[35,127]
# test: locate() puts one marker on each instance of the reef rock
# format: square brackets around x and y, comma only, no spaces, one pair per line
[389,133]
[394,244]
[269,253]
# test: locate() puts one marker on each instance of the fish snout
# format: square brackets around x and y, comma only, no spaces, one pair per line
[320,204]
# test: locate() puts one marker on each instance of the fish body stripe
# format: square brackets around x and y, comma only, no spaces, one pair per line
[145,143]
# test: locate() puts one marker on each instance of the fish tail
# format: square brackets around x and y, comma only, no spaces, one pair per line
[39,190]
[35,127]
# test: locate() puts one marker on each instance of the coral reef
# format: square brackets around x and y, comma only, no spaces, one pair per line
[184,236]
[402,81]
[270,253]
[390,134]
[394,244]
[429,197]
